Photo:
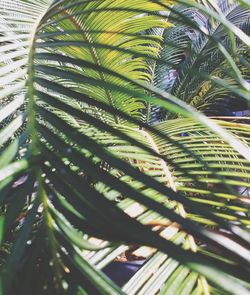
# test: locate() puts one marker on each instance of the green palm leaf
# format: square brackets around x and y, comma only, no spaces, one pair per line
[204,57]
[82,176]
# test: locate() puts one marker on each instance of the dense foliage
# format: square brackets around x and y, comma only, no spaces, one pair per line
[89,177]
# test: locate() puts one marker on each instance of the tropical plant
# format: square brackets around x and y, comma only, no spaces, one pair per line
[188,50]
[85,179]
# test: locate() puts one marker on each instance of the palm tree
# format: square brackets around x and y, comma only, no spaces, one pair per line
[86,181]
[188,50]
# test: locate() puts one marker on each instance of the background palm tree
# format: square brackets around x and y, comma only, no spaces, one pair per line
[188,51]
[84,177]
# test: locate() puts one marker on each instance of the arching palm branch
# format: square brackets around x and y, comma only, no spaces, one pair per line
[83,177]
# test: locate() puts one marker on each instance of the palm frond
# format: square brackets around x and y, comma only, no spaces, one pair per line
[84,179]
[204,58]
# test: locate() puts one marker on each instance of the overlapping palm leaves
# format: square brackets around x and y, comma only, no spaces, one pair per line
[189,50]
[79,162]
